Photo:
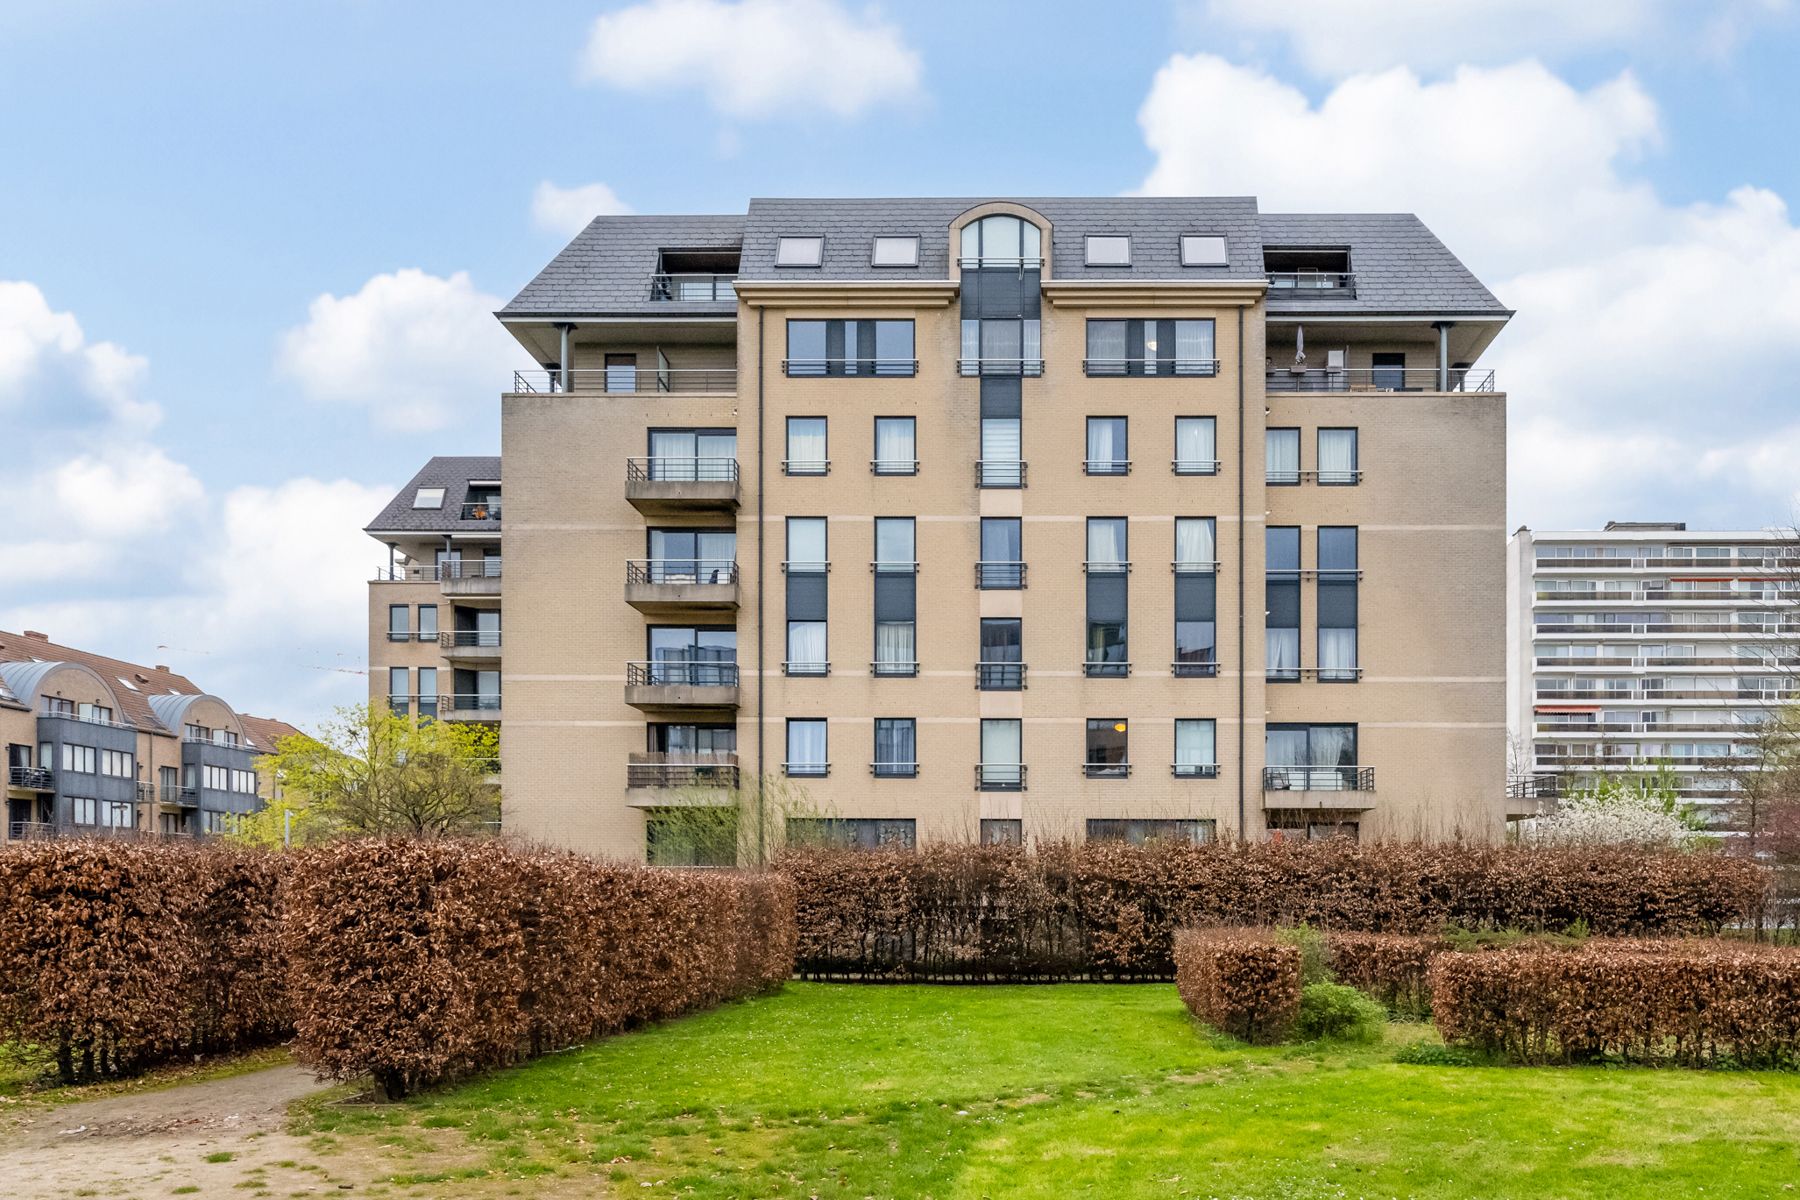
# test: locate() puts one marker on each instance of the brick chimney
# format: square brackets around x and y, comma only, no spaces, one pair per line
[32,633]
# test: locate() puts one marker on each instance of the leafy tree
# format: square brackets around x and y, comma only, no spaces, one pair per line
[1623,810]
[368,771]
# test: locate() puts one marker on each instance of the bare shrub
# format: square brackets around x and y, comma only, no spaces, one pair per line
[1243,982]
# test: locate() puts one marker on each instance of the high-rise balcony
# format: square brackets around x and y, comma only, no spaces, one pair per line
[682,684]
[30,779]
[662,486]
[470,645]
[629,381]
[657,585]
[470,577]
[677,779]
[469,706]
[1378,379]
[693,287]
[1319,779]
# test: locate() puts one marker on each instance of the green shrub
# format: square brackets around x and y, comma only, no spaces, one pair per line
[1315,957]
[1338,1013]
[1436,1054]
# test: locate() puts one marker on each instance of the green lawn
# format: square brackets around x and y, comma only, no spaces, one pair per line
[948,1092]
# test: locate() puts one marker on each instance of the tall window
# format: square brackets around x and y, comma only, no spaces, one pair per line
[1196,446]
[399,701]
[896,446]
[1337,603]
[1315,758]
[1001,346]
[399,623]
[1107,451]
[1106,748]
[850,348]
[1337,457]
[687,556]
[428,692]
[693,455]
[1002,563]
[1150,347]
[896,748]
[896,597]
[1000,465]
[1282,625]
[806,447]
[1196,597]
[1001,667]
[1108,563]
[1002,831]
[82,760]
[428,627]
[1001,240]
[806,567]
[1001,769]
[1281,450]
[1196,750]
[806,748]
[700,656]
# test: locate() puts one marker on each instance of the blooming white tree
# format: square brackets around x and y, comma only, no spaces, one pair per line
[1617,810]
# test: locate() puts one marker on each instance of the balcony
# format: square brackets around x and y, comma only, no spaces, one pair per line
[849,368]
[470,645]
[1150,368]
[1000,777]
[657,585]
[660,486]
[1663,596]
[1312,285]
[476,577]
[1029,367]
[468,706]
[482,510]
[1000,676]
[31,831]
[1318,779]
[146,792]
[1194,669]
[999,576]
[30,779]
[999,473]
[1688,628]
[693,287]
[657,779]
[1378,379]
[182,797]
[1749,561]
[629,381]
[683,684]
[1740,695]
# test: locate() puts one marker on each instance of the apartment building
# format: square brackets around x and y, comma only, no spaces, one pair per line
[434,610]
[99,746]
[1647,643]
[988,518]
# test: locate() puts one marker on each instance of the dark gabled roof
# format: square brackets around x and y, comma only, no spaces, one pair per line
[131,684]
[264,732]
[1155,224]
[1399,264]
[607,269]
[452,473]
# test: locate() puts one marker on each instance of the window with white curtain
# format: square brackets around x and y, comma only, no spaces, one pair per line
[806,447]
[1150,347]
[895,544]
[1195,544]
[1001,769]
[1337,603]
[1001,346]
[896,446]
[1337,457]
[1196,446]
[1107,451]
[1106,542]
[1281,450]
[896,647]
[1196,752]
[806,747]
[896,747]
[1001,466]
[806,648]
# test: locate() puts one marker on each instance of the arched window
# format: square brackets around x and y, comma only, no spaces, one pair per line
[1001,239]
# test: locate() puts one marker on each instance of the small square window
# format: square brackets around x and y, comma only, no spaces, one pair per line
[895,252]
[799,251]
[1108,251]
[428,498]
[1203,250]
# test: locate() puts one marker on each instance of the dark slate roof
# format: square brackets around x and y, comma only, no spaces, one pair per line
[452,473]
[1155,224]
[1400,265]
[133,685]
[607,269]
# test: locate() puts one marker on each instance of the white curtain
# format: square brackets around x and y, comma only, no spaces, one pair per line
[806,642]
[1106,541]
[1031,341]
[806,540]
[1193,346]
[894,542]
[1337,454]
[1000,339]
[1194,542]
[971,345]
[894,742]
[1102,441]
[1195,440]
[894,642]
[1194,744]
[1000,751]
[806,441]
[1000,450]
[672,454]
[894,442]
[1337,652]
[1331,746]
[1283,647]
[806,743]
[1106,344]
[1283,453]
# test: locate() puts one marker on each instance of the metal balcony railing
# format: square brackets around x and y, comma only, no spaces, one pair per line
[473,568]
[693,287]
[1379,379]
[88,719]
[187,797]
[999,576]
[1106,770]
[628,381]
[1195,770]
[1194,669]
[894,466]
[469,702]
[481,510]
[848,368]
[1106,466]
[1538,785]
[806,466]
[1000,473]
[31,830]
[894,770]
[683,770]
[806,770]
[681,470]
[894,669]
[1151,368]
[1000,777]
[1319,779]
[1312,285]
[1030,367]
[32,779]
[1000,676]
[681,570]
[477,638]
[681,672]
[1194,466]
[1105,669]
[806,669]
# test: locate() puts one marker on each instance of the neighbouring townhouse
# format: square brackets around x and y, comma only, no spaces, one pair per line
[1646,644]
[95,745]
[978,518]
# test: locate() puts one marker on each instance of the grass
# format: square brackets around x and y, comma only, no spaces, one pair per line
[961,1093]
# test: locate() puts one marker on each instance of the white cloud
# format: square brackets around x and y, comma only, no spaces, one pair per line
[415,349]
[568,210]
[755,58]
[50,374]
[123,492]
[1346,37]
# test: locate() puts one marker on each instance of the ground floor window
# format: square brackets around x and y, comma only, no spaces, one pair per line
[691,837]
[1002,831]
[861,833]
[1310,825]
[1137,831]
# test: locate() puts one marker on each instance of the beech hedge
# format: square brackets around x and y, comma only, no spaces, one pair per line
[418,962]
[1108,910]
[119,954]
[1244,982]
[1689,1003]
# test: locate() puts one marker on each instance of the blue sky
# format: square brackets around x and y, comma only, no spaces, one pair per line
[246,251]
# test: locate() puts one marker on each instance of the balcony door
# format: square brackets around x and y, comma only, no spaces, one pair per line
[692,555]
[688,455]
[1312,757]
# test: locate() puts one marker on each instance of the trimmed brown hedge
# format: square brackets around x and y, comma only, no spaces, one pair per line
[119,954]
[1699,1003]
[419,962]
[1107,910]
[1391,967]
[1241,981]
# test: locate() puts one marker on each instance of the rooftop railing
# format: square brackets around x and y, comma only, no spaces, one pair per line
[1323,285]
[628,381]
[1379,379]
[693,287]
[452,639]
[481,510]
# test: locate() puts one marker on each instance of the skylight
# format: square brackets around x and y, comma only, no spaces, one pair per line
[895,251]
[1203,250]
[429,497]
[1108,251]
[799,251]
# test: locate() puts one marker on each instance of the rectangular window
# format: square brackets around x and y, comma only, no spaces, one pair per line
[896,748]
[699,656]
[1196,750]
[1196,597]
[1107,451]
[1106,748]
[1001,667]
[428,497]
[1388,371]
[428,691]
[1282,603]
[806,748]
[56,706]
[806,447]
[621,374]
[676,556]
[84,810]
[895,251]
[1150,347]
[1338,587]
[428,627]
[806,544]
[1001,346]
[1002,563]
[849,348]
[1316,758]
[1196,446]
[1000,465]
[399,623]
[1281,453]
[896,597]
[808,251]
[1137,832]
[806,569]
[399,694]
[82,760]
[116,763]
[1002,831]
[896,446]
[853,833]
[1337,458]
[1108,566]
[1108,251]
[1000,769]
[1203,250]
